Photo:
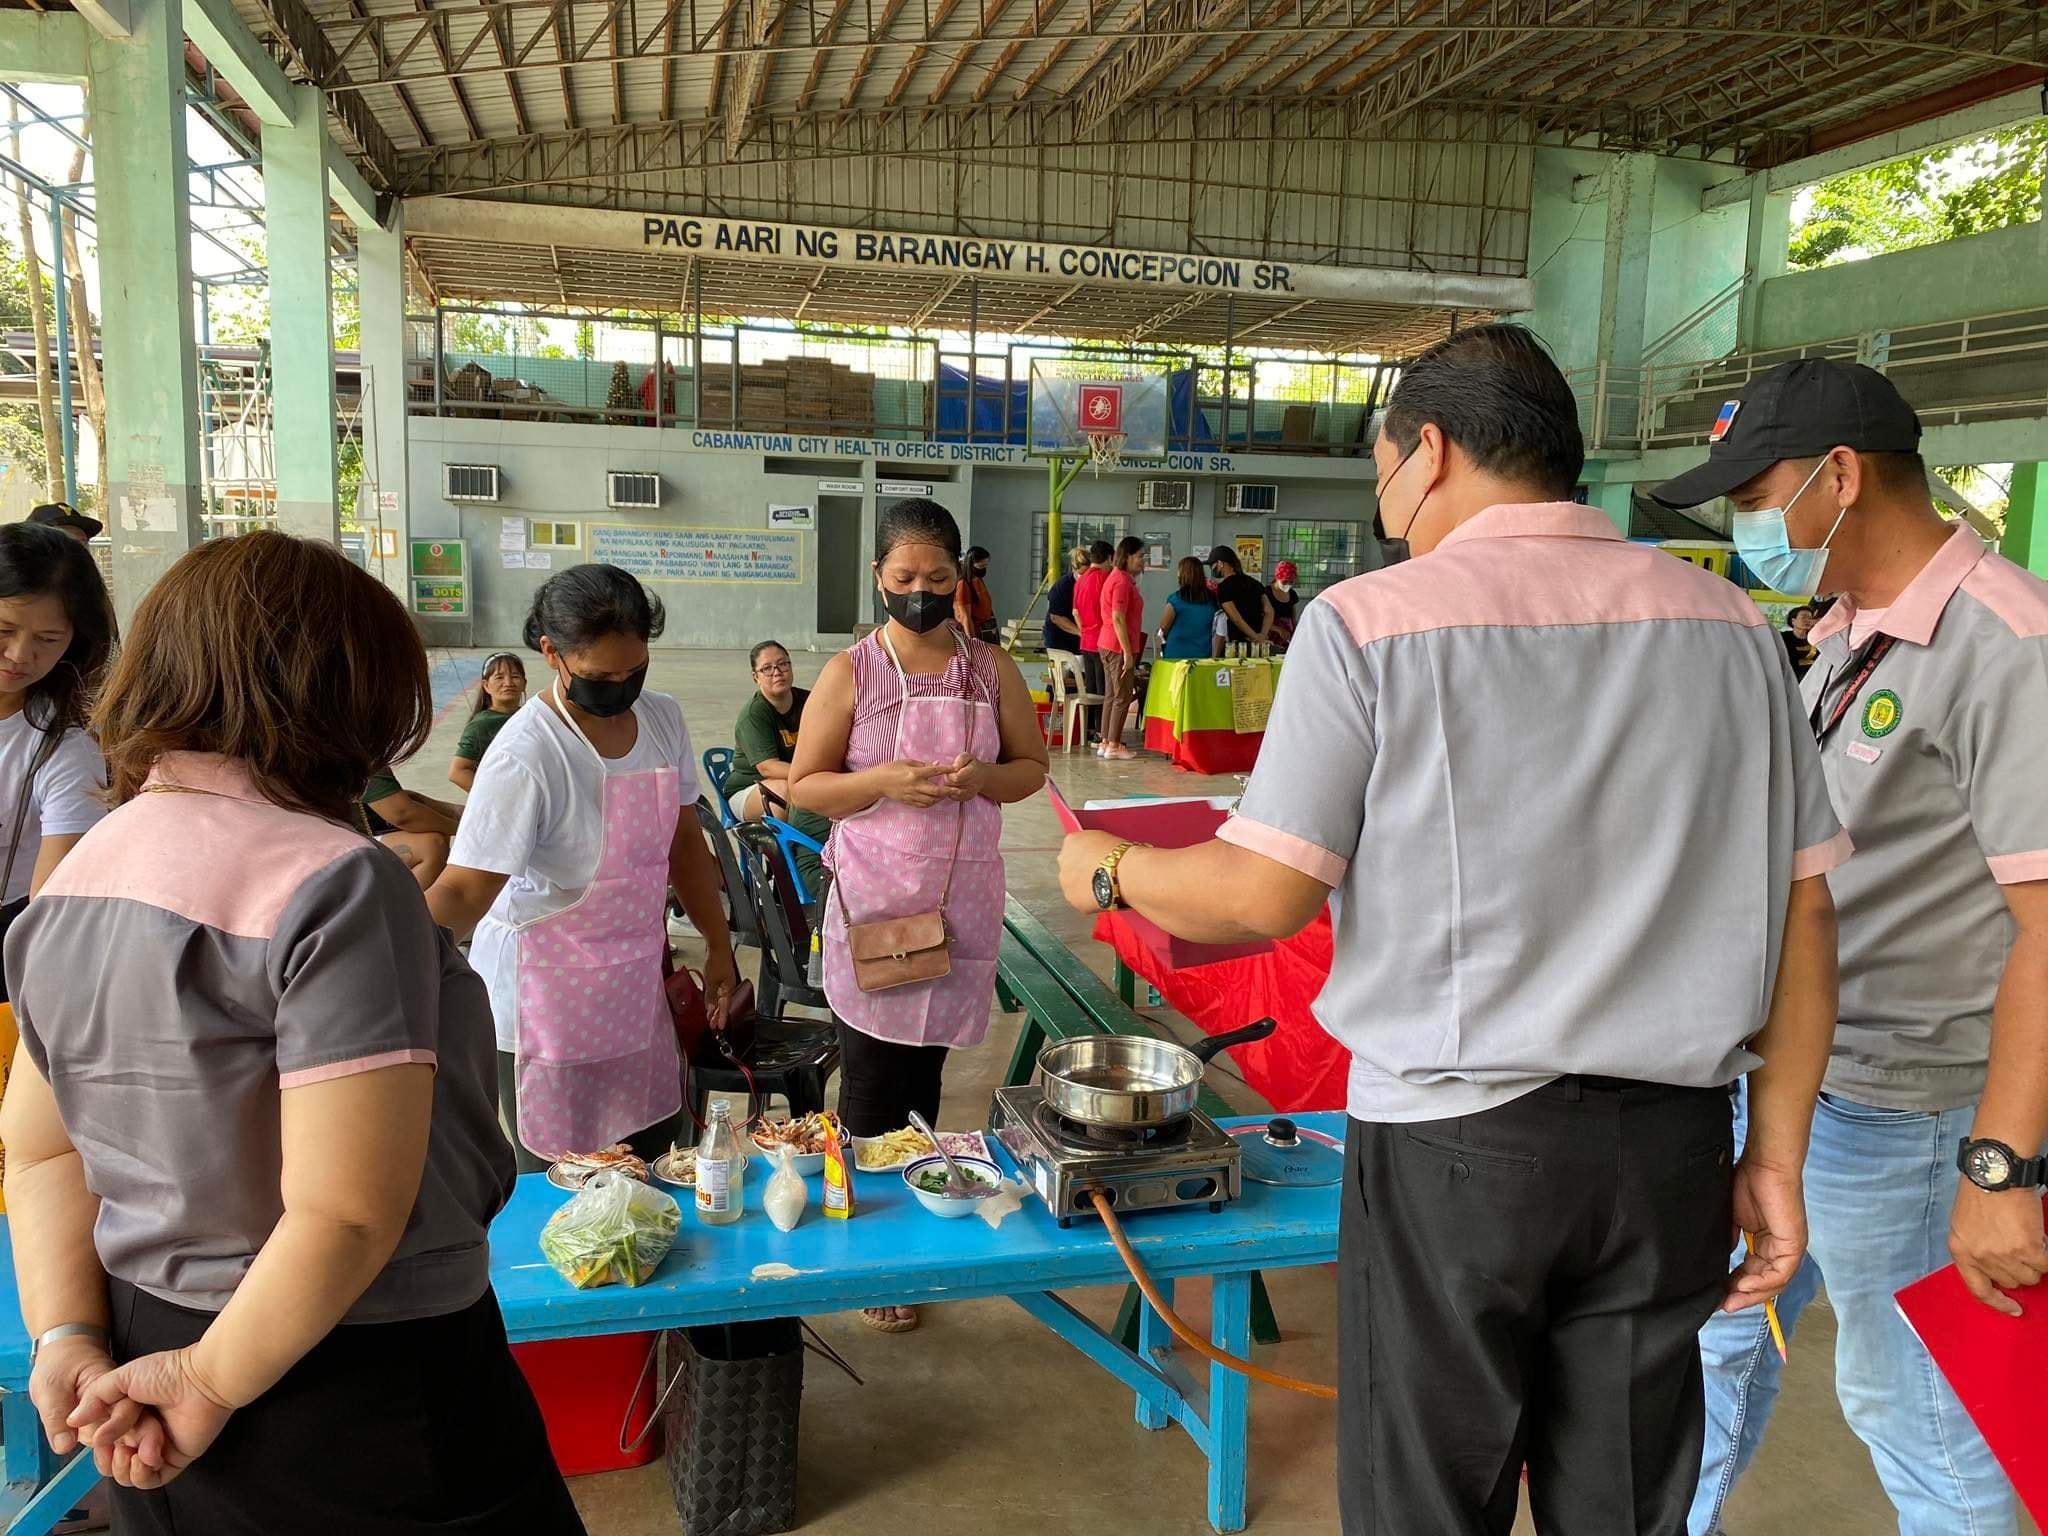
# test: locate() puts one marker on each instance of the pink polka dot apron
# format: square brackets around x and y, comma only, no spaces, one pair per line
[597,1046]
[891,860]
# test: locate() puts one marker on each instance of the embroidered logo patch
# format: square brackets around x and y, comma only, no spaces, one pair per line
[1881,714]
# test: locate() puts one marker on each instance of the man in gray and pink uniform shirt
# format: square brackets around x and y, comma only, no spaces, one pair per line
[1572,829]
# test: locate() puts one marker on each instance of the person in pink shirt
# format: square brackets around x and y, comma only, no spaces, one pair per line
[1088,614]
[1122,638]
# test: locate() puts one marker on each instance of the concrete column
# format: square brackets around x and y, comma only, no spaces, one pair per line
[301,319]
[145,245]
[1625,288]
[2026,519]
[1770,237]
[380,273]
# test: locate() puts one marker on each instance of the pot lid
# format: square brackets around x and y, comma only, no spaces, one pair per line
[1281,1152]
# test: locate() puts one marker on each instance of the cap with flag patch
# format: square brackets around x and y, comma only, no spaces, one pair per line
[1798,410]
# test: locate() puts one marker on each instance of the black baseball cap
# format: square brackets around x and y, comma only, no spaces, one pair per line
[61,514]
[1799,410]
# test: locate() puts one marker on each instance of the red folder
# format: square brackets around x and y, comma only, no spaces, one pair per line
[1996,1365]
[1163,824]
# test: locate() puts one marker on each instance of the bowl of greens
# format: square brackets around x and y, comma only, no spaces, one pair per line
[927,1180]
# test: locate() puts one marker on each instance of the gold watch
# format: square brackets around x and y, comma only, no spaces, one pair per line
[1109,894]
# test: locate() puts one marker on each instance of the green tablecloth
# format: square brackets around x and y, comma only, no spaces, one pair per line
[1210,716]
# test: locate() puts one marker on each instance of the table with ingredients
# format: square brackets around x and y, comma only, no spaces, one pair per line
[890,1252]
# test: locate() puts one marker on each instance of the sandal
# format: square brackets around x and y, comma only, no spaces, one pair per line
[889,1319]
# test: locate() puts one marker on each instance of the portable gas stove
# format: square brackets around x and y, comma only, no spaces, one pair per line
[1190,1163]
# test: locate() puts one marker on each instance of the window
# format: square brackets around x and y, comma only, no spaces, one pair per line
[555,535]
[1324,553]
[1074,531]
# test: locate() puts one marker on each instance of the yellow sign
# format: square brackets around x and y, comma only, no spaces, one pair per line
[1251,696]
[1251,552]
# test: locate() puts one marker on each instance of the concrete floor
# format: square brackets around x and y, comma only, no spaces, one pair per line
[981,1420]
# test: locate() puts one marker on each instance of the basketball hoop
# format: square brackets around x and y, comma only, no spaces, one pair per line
[1105,450]
[1101,412]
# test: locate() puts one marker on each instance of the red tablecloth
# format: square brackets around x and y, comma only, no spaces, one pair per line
[1297,1067]
[1203,751]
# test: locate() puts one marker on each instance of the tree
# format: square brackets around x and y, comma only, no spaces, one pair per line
[82,329]
[1989,183]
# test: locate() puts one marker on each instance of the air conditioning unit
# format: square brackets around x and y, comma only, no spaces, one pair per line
[632,488]
[469,482]
[1164,495]
[1251,498]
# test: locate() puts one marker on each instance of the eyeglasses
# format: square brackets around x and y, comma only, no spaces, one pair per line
[769,669]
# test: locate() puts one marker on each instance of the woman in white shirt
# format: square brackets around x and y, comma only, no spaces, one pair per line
[56,632]
[581,819]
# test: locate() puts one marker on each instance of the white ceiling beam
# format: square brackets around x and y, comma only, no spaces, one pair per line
[109,18]
[231,48]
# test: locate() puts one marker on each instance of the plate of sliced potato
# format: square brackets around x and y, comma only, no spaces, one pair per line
[898,1149]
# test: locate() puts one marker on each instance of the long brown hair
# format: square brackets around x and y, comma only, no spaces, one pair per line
[279,653]
[1194,582]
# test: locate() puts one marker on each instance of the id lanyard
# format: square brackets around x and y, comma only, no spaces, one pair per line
[1865,664]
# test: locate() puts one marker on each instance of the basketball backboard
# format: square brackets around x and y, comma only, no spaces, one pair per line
[1074,397]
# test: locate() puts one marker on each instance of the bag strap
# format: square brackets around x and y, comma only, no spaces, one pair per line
[44,750]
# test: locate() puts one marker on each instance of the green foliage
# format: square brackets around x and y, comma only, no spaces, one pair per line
[14,305]
[482,334]
[1990,183]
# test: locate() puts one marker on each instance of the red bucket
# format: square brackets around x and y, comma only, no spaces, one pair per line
[585,1387]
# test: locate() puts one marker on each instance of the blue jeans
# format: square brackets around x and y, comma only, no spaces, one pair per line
[1879,1187]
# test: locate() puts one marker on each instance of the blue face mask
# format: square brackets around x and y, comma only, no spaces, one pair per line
[1766,547]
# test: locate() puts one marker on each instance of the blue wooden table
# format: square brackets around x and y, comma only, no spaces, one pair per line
[893,1253]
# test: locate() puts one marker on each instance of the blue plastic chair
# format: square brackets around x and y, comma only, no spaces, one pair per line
[718,769]
[789,839]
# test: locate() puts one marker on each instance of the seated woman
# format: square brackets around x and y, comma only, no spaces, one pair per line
[415,827]
[498,696]
[251,1236]
[764,742]
[1187,629]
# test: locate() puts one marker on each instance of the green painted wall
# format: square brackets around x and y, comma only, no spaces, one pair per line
[1566,244]
[2026,519]
[1979,275]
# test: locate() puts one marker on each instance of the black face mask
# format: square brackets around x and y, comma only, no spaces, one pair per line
[919,612]
[981,570]
[605,699]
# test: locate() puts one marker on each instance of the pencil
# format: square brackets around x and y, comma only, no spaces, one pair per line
[1770,1307]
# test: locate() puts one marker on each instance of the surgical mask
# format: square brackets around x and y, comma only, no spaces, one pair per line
[1380,494]
[604,699]
[919,612]
[1765,545]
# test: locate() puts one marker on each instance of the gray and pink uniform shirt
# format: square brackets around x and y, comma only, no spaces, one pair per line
[200,952]
[1560,786]
[1939,766]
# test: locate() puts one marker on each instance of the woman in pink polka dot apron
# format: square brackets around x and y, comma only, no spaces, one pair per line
[913,741]
[597,1046]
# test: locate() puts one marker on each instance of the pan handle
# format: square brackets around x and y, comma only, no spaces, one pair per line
[1206,1049]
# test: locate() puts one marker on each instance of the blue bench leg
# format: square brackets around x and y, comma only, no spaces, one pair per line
[1229,1398]
[1153,1334]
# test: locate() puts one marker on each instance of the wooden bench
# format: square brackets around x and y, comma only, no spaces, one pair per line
[1061,998]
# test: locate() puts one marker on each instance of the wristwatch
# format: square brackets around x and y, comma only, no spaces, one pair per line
[1109,894]
[1993,1166]
[69,1331]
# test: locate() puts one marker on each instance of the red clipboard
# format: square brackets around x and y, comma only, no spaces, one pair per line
[1996,1365]
[1163,824]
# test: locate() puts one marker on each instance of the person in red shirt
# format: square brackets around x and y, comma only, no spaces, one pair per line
[1122,638]
[1088,614]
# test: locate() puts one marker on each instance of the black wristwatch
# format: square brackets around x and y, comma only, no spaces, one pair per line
[1993,1166]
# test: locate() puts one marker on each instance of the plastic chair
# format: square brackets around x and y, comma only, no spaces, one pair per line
[741,916]
[789,839]
[1070,699]
[785,922]
[717,770]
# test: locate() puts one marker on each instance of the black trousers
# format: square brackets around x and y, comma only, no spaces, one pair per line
[1092,675]
[881,1082]
[649,1143]
[1525,1288]
[422,1428]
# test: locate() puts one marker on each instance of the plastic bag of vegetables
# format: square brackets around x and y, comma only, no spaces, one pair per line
[614,1231]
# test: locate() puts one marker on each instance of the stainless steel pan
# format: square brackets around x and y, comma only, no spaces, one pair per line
[1131,1082]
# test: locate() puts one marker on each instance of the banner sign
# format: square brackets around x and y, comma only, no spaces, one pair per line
[699,554]
[900,251]
[440,578]
[907,450]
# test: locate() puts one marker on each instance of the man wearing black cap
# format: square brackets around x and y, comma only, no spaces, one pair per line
[66,518]
[1930,703]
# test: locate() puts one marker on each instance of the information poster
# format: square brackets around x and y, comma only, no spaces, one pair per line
[701,554]
[1251,553]
[440,578]
[1158,550]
